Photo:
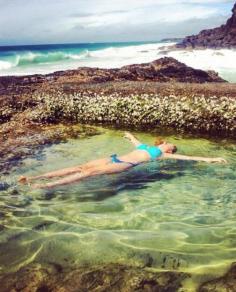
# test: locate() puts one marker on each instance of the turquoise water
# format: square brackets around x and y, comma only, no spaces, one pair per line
[168,215]
[32,59]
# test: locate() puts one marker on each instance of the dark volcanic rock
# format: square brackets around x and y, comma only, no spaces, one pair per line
[162,70]
[167,69]
[220,37]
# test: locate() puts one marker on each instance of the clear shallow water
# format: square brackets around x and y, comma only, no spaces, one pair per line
[171,215]
[21,60]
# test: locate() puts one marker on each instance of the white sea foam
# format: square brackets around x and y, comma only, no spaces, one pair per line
[84,55]
[4,65]
[221,60]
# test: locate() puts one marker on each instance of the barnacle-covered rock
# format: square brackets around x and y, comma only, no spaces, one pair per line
[202,114]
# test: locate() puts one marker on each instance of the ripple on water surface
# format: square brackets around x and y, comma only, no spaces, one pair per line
[168,214]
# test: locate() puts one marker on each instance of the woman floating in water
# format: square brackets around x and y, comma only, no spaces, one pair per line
[114,164]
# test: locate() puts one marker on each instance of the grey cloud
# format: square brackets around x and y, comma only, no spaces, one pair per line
[153,31]
[81,14]
[62,21]
[84,15]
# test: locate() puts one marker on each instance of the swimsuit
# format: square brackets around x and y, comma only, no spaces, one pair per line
[153,151]
[114,159]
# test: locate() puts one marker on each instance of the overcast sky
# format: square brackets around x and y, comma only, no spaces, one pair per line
[80,21]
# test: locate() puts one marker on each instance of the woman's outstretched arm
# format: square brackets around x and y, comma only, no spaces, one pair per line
[193,158]
[132,139]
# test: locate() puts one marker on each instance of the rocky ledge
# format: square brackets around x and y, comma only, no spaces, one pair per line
[16,91]
[131,97]
[165,69]
[220,37]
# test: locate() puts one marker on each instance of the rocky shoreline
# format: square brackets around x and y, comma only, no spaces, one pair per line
[148,96]
[17,92]
[219,37]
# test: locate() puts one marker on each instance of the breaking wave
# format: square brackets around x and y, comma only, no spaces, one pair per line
[23,62]
[32,58]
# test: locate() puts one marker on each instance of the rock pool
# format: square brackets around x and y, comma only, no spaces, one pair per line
[166,215]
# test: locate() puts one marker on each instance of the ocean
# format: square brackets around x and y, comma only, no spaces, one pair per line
[41,59]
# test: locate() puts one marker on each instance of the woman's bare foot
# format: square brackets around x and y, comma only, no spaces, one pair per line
[23,180]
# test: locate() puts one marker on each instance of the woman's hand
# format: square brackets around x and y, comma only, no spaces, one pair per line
[132,139]
[218,159]
[194,158]
[128,135]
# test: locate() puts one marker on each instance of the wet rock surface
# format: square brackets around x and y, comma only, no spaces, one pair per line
[220,37]
[226,283]
[110,278]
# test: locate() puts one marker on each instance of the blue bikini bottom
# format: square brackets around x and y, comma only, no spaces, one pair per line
[114,159]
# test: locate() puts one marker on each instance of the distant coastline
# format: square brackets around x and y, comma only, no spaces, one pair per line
[220,37]
[173,40]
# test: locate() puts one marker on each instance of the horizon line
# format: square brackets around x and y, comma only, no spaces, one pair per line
[84,43]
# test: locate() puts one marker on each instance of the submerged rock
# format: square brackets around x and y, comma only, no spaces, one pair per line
[19,139]
[53,277]
[220,37]
[110,278]
[226,283]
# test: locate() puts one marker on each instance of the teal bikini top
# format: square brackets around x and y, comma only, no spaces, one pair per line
[153,151]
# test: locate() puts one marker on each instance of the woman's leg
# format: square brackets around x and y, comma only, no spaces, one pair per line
[95,163]
[66,171]
[61,172]
[104,169]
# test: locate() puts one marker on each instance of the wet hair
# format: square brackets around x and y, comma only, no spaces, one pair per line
[174,149]
[160,141]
